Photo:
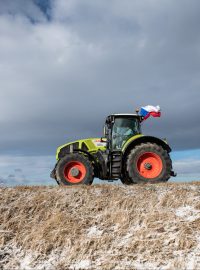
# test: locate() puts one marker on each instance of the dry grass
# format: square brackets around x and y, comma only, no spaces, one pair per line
[100,227]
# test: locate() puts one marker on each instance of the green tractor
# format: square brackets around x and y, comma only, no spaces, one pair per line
[122,153]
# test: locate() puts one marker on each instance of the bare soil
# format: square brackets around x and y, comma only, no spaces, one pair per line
[101,227]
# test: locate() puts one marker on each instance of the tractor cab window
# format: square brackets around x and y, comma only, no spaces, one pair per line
[123,129]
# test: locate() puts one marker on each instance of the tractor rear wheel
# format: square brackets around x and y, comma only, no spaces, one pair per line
[74,169]
[148,163]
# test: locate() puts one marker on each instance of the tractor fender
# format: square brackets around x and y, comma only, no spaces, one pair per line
[145,139]
[65,150]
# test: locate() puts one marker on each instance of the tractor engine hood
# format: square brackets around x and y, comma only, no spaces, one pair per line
[86,145]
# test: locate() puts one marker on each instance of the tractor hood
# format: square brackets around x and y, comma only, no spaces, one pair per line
[90,145]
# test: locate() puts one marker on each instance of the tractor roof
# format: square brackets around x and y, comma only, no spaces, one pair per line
[125,114]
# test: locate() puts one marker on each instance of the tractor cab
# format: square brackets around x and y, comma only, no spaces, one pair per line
[121,127]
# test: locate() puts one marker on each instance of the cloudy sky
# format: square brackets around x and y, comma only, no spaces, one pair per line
[66,64]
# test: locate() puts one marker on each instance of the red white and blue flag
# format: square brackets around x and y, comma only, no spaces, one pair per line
[150,110]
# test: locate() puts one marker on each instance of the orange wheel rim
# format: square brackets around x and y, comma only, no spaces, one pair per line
[74,171]
[149,165]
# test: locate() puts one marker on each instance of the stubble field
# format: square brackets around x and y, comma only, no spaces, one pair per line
[101,227]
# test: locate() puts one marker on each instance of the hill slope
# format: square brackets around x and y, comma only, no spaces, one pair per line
[102,226]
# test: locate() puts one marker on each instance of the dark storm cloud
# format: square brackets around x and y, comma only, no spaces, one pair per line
[59,78]
[34,10]
[45,6]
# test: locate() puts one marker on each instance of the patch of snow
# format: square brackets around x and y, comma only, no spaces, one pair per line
[193,258]
[125,239]
[129,192]
[193,187]
[188,213]
[48,264]
[26,262]
[98,192]
[190,263]
[94,231]
[83,264]
[138,265]
[31,261]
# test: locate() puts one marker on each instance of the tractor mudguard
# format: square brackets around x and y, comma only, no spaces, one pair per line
[138,139]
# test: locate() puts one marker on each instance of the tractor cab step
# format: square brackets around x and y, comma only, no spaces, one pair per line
[115,165]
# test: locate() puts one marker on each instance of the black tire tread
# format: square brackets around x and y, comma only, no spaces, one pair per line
[71,157]
[149,147]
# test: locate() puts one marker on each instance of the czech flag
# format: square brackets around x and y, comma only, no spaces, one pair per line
[150,110]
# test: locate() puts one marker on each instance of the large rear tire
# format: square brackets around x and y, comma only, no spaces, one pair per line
[148,163]
[74,169]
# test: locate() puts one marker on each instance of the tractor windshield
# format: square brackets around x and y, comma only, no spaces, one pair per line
[123,129]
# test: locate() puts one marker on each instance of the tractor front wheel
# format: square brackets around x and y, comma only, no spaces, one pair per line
[74,169]
[148,163]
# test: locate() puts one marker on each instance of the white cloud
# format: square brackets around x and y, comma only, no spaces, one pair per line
[187,166]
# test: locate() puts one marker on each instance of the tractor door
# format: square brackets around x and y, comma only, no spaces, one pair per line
[123,129]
